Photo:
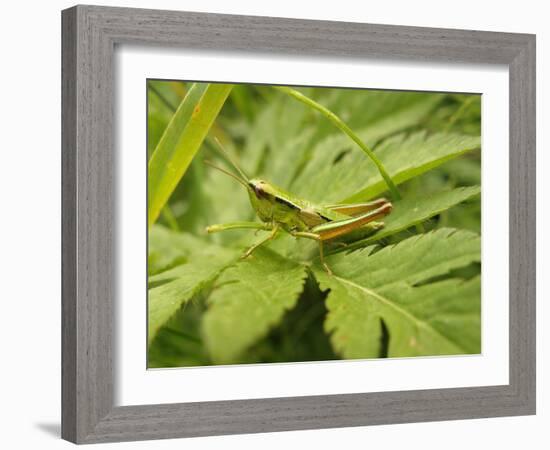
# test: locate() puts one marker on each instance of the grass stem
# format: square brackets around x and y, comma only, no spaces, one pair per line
[340,124]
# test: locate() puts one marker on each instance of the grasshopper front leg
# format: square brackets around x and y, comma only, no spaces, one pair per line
[270,236]
[274,228]
[239,226]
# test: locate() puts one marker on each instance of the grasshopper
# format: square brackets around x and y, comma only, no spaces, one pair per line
[280,210]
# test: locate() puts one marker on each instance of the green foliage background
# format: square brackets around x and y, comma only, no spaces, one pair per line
[411,289]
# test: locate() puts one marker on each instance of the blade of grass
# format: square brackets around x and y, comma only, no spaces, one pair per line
[340,124]
[181,141]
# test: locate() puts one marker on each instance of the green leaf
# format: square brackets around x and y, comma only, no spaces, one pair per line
[408,157]
[276,134]
[381,112]
[374,115]
[415,210]
[251,298]
[280,140]
[178,342]
[174,287]
[167,248]
[452,308]
[337,174]
[370,287]
[181,141]
[409,110]
[344,128]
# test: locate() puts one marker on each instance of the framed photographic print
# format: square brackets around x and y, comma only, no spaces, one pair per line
[278,224]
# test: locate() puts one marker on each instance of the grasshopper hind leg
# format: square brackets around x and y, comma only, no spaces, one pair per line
[318,238]
[322,258]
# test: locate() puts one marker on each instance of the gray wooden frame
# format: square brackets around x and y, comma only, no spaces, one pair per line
[90,34]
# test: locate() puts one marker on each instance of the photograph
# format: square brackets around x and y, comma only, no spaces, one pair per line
[291,224]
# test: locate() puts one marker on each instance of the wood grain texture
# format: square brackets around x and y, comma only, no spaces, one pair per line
[522,242]
[68,226]
[88,209]
[89,206]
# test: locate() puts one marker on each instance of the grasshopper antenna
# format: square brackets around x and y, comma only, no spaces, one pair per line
[230,159]
[232,175]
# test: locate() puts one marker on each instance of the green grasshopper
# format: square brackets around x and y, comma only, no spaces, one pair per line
[280,210]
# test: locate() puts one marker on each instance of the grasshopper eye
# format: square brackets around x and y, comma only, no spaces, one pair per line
[259,191]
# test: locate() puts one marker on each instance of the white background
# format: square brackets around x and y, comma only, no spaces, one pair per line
[30,225]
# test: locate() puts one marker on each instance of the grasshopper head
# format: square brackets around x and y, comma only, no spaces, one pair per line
[262,198]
